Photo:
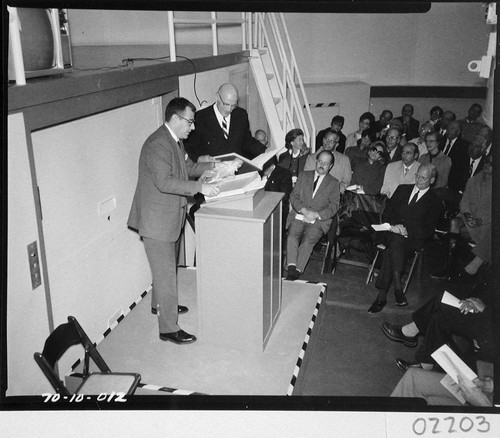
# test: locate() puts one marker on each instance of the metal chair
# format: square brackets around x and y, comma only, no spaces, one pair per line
[416,258]
[94,383]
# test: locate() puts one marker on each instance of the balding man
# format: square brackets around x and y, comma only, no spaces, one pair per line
[222,128]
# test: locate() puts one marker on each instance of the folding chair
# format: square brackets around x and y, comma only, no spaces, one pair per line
[414,260]
[69,334]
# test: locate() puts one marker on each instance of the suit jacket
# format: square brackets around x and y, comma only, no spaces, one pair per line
[280,180]
[208,137]
[443,167]
[341,169]
[325,202]
[459,164]
[420,219]
[158,208]
[397,155]
[342,140]
[394,176]
[410,130]
[295,166]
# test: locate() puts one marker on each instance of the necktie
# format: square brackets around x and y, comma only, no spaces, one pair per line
[447,148]
[224,127]
[414,199]
[471,167]
[406,171]
[315,183]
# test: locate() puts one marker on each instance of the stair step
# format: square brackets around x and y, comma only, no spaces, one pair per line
[276,100]
[270,76]
[262,51]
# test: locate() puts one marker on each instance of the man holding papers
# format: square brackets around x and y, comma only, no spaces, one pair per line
[412,213]
[315,200]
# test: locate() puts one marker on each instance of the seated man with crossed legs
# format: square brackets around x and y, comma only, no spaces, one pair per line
[314,200]
[412,212]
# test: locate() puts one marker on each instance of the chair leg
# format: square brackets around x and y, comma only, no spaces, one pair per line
[372,268]
[412,267]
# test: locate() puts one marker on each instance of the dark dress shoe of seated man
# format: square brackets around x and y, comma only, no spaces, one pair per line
[180,310]
[178,337]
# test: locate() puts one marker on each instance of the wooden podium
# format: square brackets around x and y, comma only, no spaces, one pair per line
[238,258]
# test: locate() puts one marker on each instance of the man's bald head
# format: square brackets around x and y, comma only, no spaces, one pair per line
[227,98]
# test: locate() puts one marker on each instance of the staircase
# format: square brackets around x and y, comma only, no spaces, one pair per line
[278,79]
[274,68]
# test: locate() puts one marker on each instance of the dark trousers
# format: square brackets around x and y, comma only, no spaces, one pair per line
[438,322]
[397,250]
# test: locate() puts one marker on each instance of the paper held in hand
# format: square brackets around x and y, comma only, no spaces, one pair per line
[381,227]
[301,217]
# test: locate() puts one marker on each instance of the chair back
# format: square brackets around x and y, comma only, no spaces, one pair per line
[59,341]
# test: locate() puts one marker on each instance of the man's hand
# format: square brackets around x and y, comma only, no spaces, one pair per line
[474,392]
[206,159]
[209,190]
[310,215]
[472,305]
[399,229]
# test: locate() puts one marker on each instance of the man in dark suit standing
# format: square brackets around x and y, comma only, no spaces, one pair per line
[158,210]
[410,124]
[223,128]
[315,200]
[412,212]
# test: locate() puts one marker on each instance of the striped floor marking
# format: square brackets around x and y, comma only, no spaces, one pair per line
[320,105]
[173,391]
[308,335]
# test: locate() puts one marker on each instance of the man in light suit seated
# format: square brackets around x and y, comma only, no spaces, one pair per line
[402,171]
[315,200]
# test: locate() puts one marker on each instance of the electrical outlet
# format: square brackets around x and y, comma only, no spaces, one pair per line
[34,262]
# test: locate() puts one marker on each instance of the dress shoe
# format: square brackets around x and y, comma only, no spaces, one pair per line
[178,337]
[293,273]
[440,275]
[180,309]
[394,333]
[463,278]
[377,306]
[400,298]
[404,365]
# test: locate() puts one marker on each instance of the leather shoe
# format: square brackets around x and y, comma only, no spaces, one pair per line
[400,298]
[178,337]
[394,333]
[377,306]
[404,365]
[180,310]
[441,275]
[293,273]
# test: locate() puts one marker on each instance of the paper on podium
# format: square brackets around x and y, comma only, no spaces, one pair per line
[452,364]
[381,227]
[237,185]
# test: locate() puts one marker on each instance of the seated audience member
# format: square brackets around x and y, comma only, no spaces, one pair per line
[455,147]
[436,113]
[412,213]
[410,125]
[316,199]
[336,125]
[448,117]
[261,136]
[426,384]
[382,124]
[473,223]
[294,159]
[401,172]
[365,121]
[357,154]
[369,174]
[437,322]
[394,148]
[279,179]
[437,158]
[471,124]
[487,135]
[398,124]
[222,128]
[341,170]
[425,128]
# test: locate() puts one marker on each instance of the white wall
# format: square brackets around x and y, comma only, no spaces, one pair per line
[392,49]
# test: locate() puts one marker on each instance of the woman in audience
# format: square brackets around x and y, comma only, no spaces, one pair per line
[369,174]
[294,159]
[435,156]
[425,128]
[357,154]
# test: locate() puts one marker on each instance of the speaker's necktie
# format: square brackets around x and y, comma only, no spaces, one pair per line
[414,199]
[224,127]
